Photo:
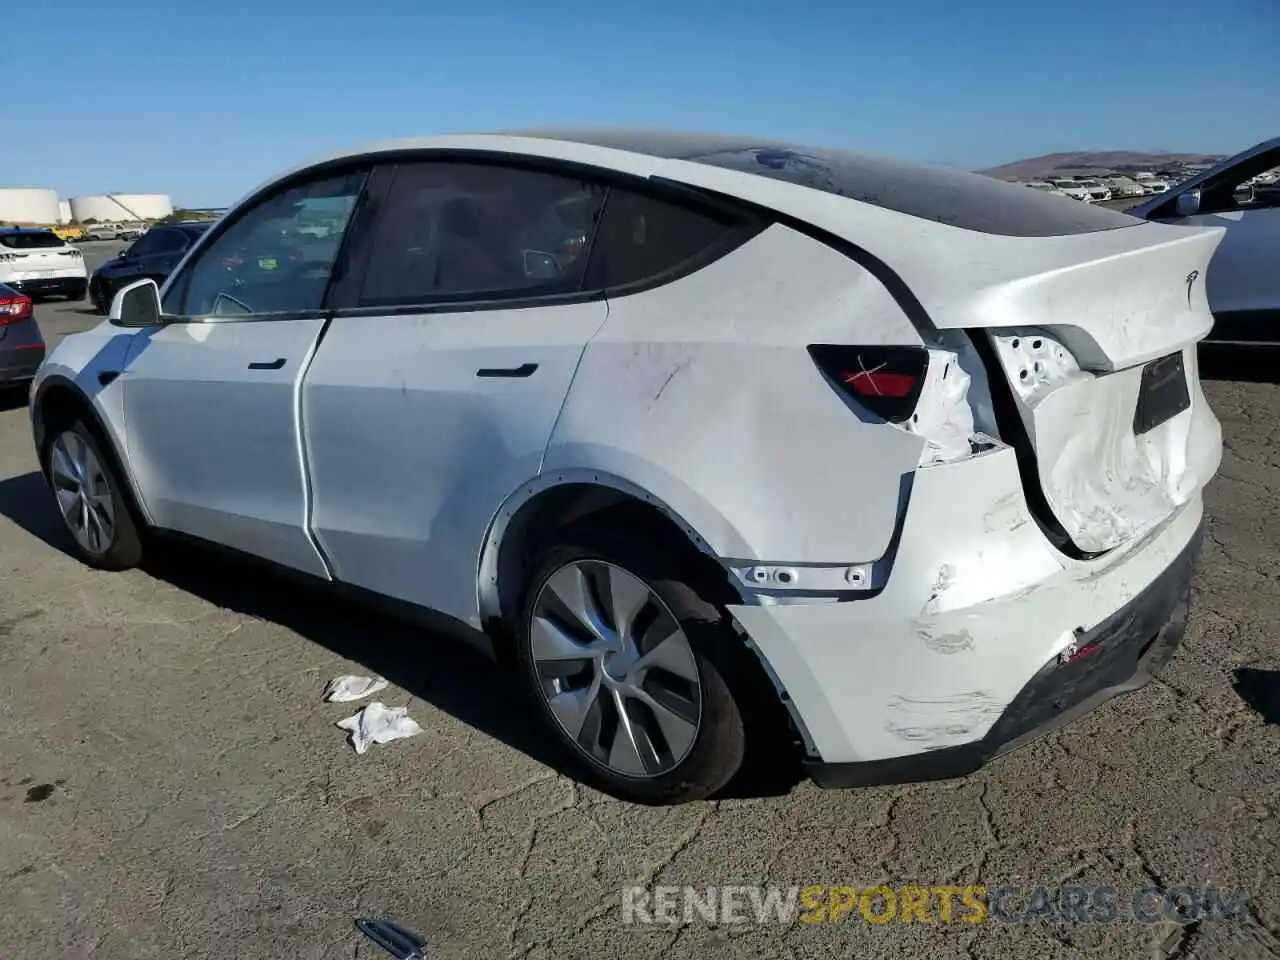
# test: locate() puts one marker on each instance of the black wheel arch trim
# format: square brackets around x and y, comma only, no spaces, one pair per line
[39,429]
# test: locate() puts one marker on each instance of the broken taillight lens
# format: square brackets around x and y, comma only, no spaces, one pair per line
[885,380]
[14,308]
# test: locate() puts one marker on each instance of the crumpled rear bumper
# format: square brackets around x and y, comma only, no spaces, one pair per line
[1121,655]
[954,660]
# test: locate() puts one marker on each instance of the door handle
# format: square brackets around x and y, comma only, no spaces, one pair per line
[275,364]
[524,370]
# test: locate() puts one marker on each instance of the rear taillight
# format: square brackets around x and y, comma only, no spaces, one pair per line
[885,380]
[14,308]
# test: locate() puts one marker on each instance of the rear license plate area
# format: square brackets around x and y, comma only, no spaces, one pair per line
[1163,393]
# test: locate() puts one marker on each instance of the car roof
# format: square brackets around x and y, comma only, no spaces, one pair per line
[943,195]
[10,231]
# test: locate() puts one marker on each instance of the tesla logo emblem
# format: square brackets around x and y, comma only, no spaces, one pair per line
[1192,277]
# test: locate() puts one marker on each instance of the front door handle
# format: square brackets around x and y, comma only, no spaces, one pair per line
[275,364]
[524,370]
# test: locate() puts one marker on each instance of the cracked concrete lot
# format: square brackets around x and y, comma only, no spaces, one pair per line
[172,784]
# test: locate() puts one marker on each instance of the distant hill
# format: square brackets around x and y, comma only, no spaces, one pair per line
[1036,168]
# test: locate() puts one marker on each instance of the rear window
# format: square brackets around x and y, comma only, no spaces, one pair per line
[641,238]
[31,241]
[953,197]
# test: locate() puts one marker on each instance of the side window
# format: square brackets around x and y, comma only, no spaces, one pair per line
[264,262]
[145,245]
[641,237]
[165,241]
[467,231]
[1246,186]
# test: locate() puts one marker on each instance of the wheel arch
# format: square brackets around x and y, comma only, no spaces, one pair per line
[558,499]
[58,399]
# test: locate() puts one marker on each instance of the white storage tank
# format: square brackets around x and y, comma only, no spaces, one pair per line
[64,211]
[29,205]
[121,207]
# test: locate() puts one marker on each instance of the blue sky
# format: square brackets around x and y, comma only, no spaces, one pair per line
[203,99]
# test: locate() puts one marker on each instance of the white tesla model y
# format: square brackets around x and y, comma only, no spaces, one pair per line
[740,446]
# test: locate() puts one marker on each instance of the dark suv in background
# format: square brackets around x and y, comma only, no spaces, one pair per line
[153,257]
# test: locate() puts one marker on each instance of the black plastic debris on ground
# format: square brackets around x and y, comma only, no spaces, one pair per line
[398,941]
[1260,689]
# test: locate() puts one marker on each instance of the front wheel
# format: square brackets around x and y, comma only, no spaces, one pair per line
[632,668]
[100,294]
[91,499]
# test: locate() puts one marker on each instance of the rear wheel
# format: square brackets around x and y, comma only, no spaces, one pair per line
[633,668]
[91,499]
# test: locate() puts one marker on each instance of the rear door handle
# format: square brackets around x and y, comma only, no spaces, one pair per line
[275,364]
[524,370]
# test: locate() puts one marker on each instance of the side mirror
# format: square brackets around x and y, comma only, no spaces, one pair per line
[539,265]
[1243,194]
[137,305]
[1187,204]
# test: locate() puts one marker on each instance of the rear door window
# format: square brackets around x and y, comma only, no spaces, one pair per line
[455,231]
[643,240]
[31,241]
[164,241]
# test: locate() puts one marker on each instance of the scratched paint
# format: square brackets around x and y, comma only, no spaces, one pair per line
[948,642]
[955,718]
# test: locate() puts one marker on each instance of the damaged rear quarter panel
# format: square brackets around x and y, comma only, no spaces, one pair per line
[979,600]
[702,392]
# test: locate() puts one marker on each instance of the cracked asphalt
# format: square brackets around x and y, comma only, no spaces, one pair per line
[172,785]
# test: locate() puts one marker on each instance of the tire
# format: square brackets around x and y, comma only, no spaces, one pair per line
[118,543]
[98,293]
[677,772]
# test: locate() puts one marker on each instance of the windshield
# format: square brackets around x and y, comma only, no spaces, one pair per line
[1091,184]
[1041,186]
[31,241]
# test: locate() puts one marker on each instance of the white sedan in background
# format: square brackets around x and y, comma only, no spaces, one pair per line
[1244,276]
[742,449]
[1073,189]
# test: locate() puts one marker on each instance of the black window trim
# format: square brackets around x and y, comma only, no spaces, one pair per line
[742,225]
[210,236]
[745,222]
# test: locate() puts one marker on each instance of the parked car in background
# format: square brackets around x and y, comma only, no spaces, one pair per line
[1098,191]
[1243,281]
[21,345]
[100,231]
[1073,189]
[731,462]
[153,256]
[70,232]
[38,262]
[1042,186]
[1153,186]
[1123,187]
